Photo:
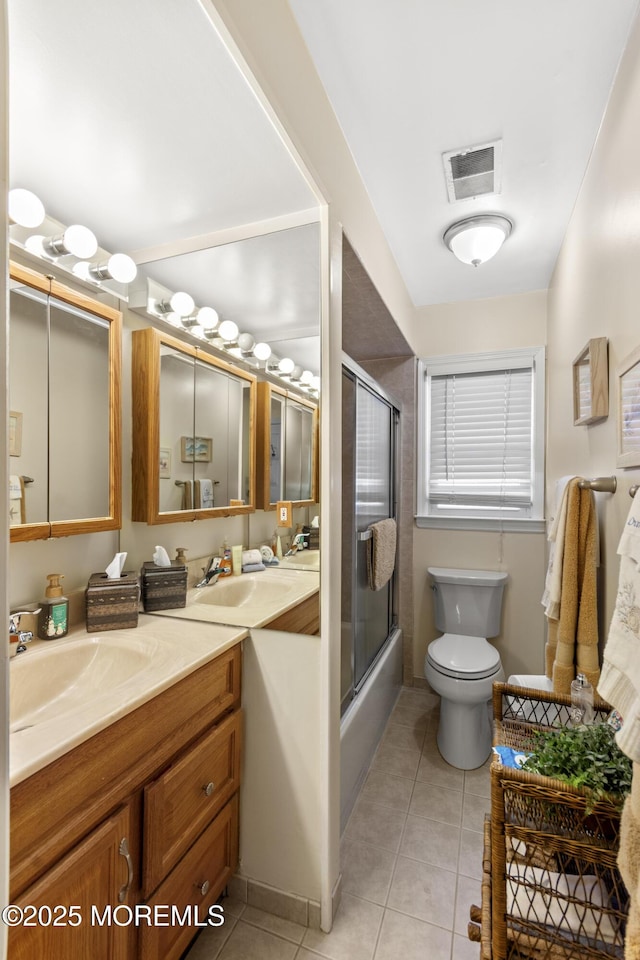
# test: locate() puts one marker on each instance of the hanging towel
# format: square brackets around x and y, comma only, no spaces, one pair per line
[381,557]
[553,582]
[629,864]
[572,644]
[187,495]
[620,678]
[17,511]
[204,494]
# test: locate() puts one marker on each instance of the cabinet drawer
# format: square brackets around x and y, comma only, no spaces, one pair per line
[179,804]
[196,882]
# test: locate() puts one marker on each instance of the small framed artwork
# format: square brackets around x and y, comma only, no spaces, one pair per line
[629,411]
[591,383]
[165,463]
[196,448]
[15,433]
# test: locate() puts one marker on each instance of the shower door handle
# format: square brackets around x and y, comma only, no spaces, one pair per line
[364,535]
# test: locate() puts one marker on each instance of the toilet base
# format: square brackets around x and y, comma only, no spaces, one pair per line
[464,734]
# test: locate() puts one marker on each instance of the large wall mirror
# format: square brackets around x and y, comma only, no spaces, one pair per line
[64,427]
[193,436]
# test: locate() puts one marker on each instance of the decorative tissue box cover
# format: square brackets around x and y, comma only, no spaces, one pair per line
[112,604]
[163,588]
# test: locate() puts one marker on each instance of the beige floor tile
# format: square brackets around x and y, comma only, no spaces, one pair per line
[467,892]
[473,812]
[366,870]
[436,803]
[423,891]
[404,738]
[232,907]
[376,824]
[272,924]
[209,943]
[415,717]
[249,943]
[432,842]
[354,933]
[415,698]
[471,850]
[464,949]
[411,939]
[399,763]
[433,769]
[390,791]
[478,781]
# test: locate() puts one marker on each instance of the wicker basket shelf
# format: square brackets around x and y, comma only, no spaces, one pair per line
[551,887]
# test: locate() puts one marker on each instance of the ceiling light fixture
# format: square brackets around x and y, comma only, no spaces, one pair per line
[119,267]
[181,303]
[228,331]
[77,241]
[262,351]
[477,239]
[25,208]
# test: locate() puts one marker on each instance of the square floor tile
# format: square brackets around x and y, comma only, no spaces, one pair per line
[410,939]
[432,842]
[354,933]
[248,943]
[415,717]
[405,738]
[471,853]
[479,781]
[468,892]
[390,791]
[210,941]
[399,763]
[473,812]
[423,891]
[377,824]
[436,803]
[366,870]
[464,949]
[286,929]
[433,769]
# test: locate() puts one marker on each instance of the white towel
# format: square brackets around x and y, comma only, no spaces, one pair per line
[17,509]
[206,493]
[15,487]
[553,582]
[620,677]
[251,557]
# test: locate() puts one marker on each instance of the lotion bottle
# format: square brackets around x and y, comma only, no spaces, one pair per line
[53,619]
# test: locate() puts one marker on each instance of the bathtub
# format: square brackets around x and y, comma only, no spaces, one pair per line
[364,722]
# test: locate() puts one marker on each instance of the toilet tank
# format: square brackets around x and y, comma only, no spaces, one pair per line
[468,602]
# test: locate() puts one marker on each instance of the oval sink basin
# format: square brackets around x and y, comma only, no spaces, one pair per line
[53,680]
[247,590]
[303,559]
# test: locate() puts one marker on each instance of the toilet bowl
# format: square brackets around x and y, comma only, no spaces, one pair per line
[461,665]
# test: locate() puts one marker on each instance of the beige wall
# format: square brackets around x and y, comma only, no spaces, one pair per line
[595,292]
[495,324]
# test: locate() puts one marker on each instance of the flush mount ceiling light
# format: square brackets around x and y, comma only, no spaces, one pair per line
[477,239]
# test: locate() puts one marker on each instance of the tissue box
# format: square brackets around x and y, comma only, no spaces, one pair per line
[112,604]
[313,540]
[163,588]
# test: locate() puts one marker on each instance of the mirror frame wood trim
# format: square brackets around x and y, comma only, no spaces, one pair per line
[263,445]
[145,479]
[65,528]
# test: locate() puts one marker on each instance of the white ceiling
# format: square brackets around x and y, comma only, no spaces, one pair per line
[412,79]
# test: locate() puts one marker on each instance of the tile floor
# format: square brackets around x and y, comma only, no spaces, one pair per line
[411,862]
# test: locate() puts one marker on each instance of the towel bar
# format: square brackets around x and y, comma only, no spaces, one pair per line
[599,484]
[634,489]
[27,480]
[364,535]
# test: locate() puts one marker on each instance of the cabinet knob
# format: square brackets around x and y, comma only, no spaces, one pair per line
[204,887]
[209,788]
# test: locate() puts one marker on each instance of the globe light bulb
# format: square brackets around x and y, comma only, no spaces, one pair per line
[207,317]
[182,303]
[122,268]
[79,241]
[228,330]
[82,270]
[246,342]
[262,351]
[306,376]
[25,208]
[286,365]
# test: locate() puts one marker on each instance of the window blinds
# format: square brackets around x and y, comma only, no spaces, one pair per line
[480,444]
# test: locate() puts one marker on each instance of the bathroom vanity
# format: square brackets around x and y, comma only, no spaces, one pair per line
[142,811]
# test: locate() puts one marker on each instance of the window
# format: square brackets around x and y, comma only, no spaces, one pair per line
[481,449]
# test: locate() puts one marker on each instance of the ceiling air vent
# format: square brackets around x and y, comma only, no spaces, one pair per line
[473,171]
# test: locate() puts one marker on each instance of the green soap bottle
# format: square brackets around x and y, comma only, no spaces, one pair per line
[53,619]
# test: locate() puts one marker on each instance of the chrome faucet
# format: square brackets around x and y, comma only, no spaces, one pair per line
[23,636]
[211,572]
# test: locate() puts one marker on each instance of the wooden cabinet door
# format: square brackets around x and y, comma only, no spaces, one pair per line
[92,878]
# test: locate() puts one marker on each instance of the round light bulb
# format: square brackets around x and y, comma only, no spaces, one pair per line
[25,208]
[228,330]
[262,351]
[296,373]
[122,268]
[35,245]
[306,376]
[207,317]
[182,303]
[246,342]
[80,241]
[82,269]
[286,365]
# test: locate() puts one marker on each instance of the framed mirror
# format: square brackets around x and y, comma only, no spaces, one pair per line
[65,401]
[287,435]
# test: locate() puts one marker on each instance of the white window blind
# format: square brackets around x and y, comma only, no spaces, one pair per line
[482,439]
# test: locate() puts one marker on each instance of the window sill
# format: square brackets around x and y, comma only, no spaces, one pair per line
[520,525]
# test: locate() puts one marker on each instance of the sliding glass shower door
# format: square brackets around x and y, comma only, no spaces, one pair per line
[368,489]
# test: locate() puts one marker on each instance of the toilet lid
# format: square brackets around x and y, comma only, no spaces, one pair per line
[467,658]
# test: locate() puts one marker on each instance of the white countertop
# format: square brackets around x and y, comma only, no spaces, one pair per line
[62,692]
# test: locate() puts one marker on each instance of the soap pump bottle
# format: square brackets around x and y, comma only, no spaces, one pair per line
[581,701]
[226,568]
[53,619]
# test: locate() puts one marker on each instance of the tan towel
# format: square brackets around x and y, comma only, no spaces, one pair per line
[187,495]
[381,557]
[572,644]
[629,864]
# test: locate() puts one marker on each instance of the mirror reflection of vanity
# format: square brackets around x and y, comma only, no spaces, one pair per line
[193,443]
[287,433]
[65,421]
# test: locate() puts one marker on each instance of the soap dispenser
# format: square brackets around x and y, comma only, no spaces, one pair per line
[53,619]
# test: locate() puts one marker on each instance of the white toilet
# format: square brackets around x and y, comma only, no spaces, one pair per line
[461,665]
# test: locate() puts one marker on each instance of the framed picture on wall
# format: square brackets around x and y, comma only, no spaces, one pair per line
[15,433]
[196,448]
[165,463]
[629,411]
[591,383]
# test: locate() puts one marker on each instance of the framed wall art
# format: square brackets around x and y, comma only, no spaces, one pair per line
[165,463]
[15,433]
[196,448]
[591,383]
[628,426]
